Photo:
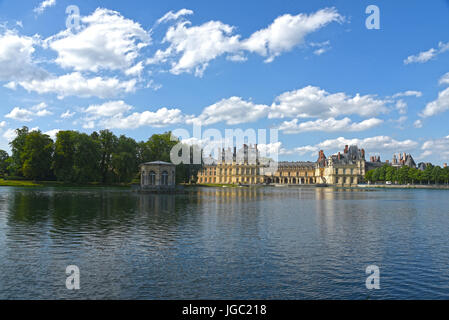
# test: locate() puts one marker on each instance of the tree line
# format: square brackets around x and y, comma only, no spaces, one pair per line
[430,175]
[75,157]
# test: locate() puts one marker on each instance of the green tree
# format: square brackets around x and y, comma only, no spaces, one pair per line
[37,156]
[17,146]
[124,159]
[369,176]
[390,173]
[86,166]
[108,144]
[403,175]
[4,162]
[436,174]
[427,173]
[64,156]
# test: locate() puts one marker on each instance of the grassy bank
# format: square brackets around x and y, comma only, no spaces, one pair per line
[217,185]
[403,186]
[27,183]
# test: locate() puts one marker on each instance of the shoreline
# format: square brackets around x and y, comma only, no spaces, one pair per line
[404,186]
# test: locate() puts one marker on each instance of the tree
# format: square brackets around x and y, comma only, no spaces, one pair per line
[64,156]
[108,143]
[86,165]
[403,175]
[390,173]
[369,176]
[437,174]
[17,146]
[124,159]
[4,162]
[37,156]
[427,173]
[413,175]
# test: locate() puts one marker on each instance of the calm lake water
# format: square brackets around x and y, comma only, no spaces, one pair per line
[223,243]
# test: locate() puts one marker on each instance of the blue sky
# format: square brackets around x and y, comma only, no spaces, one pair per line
[309,68]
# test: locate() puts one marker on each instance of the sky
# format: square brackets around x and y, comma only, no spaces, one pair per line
[313,70]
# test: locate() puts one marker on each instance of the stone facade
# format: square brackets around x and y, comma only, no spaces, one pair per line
[346,169]
[343,169]
[157,176]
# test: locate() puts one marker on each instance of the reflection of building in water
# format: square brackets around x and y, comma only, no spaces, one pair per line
[158,176]
[156,204]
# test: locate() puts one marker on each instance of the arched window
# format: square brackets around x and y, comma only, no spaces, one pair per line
[164,181]
[152,178]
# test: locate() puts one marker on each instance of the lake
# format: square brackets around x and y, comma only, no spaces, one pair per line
[224,243]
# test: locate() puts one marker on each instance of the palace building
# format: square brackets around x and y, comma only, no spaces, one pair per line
[346,168]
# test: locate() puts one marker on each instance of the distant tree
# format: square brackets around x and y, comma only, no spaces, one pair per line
[124,159]
[37,156]
[403,175]
[86,166]
[4,162]
[427,173]
[369,176]
[108,144]
[17,147]
[413,175]
[64,155]
[390,173]
[436,174]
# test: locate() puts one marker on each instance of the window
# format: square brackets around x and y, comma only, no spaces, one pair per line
[164,181]
[152,178]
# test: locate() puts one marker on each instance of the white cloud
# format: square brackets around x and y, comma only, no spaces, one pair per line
[174,16]
[401,106]
[52,133]
[10,134]
[107,109]
[196,46]
[328,125]
[430,54]
[409,93]
[418,124]
[436,147]
[437,106]
[160,118]
[232,111]
[445,79]
[106,41]
[135,70]
[191,48]
[44,5]
[16,61]
[314,102]
[376,144]
[287,31]
[75,84]
[27,115]
[113,114]
[67,114]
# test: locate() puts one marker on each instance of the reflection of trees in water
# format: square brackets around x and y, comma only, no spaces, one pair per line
[99,211]
[28,207]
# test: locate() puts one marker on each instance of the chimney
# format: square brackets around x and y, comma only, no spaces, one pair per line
[388,162]
[445,165]
[346,149]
